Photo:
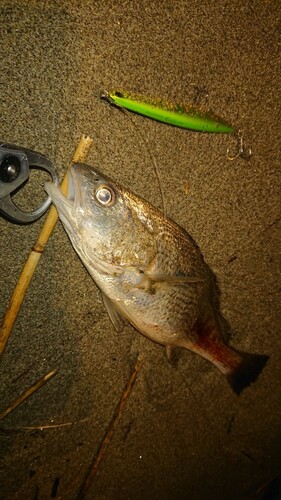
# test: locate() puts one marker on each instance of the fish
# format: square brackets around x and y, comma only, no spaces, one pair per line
[149,270]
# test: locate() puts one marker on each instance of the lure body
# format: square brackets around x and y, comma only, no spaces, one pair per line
[188,117]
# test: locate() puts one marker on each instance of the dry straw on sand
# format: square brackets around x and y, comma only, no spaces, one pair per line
[27,393]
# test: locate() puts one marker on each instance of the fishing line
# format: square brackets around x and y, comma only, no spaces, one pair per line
[145,144]
[152,158]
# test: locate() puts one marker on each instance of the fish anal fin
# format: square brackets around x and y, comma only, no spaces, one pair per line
[114,315]
[169,352]
[172,353]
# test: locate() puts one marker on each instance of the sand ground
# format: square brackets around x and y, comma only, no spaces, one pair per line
[183,434]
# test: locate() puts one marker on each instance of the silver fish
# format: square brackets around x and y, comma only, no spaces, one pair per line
[149,270]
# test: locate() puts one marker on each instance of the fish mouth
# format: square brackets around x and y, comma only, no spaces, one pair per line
[67,204]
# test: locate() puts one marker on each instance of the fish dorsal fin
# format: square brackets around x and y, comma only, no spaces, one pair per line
[114,315]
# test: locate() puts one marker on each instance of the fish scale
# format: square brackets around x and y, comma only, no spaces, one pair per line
[149,270]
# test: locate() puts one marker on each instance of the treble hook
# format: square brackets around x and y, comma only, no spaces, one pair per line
[244,153]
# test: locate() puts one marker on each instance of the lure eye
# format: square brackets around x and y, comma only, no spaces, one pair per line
[105,195]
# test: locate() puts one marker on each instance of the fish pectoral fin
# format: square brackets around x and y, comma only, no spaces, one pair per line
[114,315]
[177,280]
[150,282]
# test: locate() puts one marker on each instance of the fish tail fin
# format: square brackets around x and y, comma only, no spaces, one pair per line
[239,368]
[247,371]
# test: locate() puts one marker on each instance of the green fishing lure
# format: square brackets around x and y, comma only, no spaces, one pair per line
[182,116]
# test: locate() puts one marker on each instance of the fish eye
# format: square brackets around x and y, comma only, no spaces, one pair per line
[105,195]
